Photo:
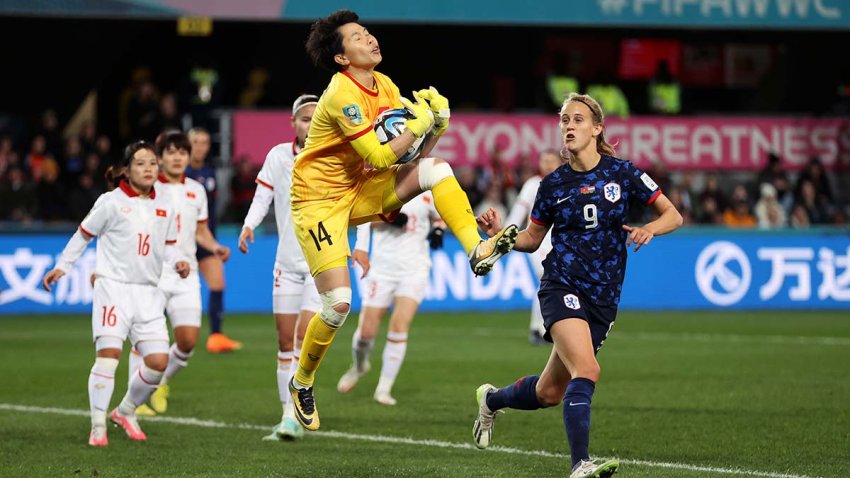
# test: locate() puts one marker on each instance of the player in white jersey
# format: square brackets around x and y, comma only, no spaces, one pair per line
[137,232]
[550,160]
[294,295]
[395,274]
[182,297]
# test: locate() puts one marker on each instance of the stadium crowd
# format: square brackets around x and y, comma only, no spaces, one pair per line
[47,177]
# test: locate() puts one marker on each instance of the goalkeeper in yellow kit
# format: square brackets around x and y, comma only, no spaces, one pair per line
[333,190]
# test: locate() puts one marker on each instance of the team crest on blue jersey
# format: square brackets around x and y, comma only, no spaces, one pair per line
[612,192]
[571,301]
[352,112]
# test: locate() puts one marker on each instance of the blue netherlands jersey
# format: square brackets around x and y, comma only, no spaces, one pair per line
[206,176]
[587,211]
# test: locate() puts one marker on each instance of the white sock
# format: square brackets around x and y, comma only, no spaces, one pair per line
[288,406]
[136,361]
[101,385]
[536,323]
[284,374]
[360,350]
[142,385]
[177,360]
[393,356]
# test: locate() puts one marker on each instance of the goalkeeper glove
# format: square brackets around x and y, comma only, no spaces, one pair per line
[399,221]
[440,107]
[424,118]
[435,238]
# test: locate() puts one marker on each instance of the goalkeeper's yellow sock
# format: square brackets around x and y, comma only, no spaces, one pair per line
[316,342]
[454,208]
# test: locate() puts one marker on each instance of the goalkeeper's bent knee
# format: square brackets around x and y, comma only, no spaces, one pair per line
[432,171]
[332,298]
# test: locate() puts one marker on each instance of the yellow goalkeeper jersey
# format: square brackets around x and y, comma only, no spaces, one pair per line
[328,166]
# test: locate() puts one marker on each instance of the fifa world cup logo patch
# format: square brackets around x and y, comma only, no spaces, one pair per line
[352,112]
[571,301]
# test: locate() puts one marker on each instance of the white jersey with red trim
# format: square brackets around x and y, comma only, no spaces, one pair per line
[132,232]
[520,212]
[189,199]
[276,175]
[402,251]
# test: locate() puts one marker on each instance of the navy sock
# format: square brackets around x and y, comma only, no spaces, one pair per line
[577,417]
[216,310]
[521,395]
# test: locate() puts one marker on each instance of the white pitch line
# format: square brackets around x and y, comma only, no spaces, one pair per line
[732,338]
[406,441]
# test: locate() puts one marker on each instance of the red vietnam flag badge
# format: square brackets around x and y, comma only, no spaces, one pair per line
[161,213]
[190,194]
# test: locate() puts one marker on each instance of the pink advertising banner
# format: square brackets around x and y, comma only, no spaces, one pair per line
[681,143]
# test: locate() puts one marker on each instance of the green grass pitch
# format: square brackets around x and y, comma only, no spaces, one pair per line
[681,395]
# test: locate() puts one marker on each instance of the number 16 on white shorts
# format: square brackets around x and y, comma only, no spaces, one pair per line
[133,311]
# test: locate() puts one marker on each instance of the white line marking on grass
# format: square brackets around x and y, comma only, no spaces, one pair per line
[406,441]
[733,338]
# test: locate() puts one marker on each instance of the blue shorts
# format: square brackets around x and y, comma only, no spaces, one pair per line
[202,253]
[559,302]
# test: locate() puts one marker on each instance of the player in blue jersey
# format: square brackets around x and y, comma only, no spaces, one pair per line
[586,204]
[211,267]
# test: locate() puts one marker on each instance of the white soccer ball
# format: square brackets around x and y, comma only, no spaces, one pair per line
[390,124]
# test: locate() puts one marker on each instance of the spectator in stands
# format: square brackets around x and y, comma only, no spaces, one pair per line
[712,190]
[96,168]
[8,156]
[103,149]
[17,197]
[88,136]
[710,212]
[169,116]
[242,187]
[610,96]
[143,112]
[799,217]
[36,157]
[840,218]
[690,197]
[254,93]
[468,182]
[774,174]
[815,174]
[526,169]
[560,78]
[664,91]
[676,196]
[815,206]
[82,197]
[495,171]
[201,89]
[738,214]
[50,193]
[493,198]
[49,129]
[72,161]
[768,211]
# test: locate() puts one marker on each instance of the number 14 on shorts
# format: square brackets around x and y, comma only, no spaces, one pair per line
[320,235]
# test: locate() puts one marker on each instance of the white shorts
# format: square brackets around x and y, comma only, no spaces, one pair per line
[537,257]
[133,311]
[378,291]
[182,298]
[293,292]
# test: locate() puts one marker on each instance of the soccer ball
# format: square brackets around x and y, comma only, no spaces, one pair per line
[390,124]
